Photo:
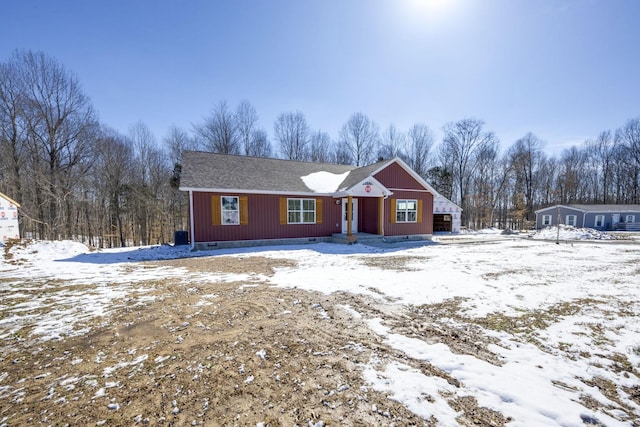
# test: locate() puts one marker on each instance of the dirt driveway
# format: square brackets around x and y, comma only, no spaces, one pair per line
[244,354]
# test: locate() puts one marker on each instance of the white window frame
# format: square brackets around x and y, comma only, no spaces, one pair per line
[406,214]
[546,219]
[300,211]
[228,215]
[573,223]
[598,221]
[630,218]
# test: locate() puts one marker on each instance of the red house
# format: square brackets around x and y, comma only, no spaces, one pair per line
[243,201]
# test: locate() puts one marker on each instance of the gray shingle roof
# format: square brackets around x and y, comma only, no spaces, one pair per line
[606,208]
[598,208]
[360,174]
[202,170]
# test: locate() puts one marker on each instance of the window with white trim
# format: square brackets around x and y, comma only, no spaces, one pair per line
[571,220]
[301,211]
[630,218]
[599,222]
[230,206]
[546,219]
[406,210]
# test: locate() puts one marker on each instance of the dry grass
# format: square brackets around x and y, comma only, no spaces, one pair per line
[394,263]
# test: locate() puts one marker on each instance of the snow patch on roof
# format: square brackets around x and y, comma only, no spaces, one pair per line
[324,182]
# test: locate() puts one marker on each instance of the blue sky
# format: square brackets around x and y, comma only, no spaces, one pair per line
[562,69]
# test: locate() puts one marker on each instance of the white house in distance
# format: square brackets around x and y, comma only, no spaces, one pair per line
[9,228]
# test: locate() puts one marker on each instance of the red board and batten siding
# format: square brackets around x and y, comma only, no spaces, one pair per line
[424,225]
[401,183]
[263,219]
[368,215]
[395,176]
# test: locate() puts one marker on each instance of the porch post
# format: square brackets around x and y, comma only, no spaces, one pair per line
[349,214]
[381,215]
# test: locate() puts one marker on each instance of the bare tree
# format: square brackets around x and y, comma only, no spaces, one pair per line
[600,153]
[320,147]
[621,174]
[218,133]
[484,186]
[113,173]
[176,142]
[525,157]
[463,141]
[571,184]
[628,136]
[149,187]
[13,133]
[548,174]
[419,148]
[393,144]
[144,142]
[501,181]
[260,145]
[61,127]
[442,180]
[341,155]
[360,136]
[292,132]
[246,119]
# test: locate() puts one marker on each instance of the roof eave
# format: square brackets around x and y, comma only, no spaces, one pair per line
[13,202]
[267,192]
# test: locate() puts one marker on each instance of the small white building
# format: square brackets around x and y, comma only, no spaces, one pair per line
[446,215]
[9,228]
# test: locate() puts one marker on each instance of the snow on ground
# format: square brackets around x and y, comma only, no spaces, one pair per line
[95,282]
[572,309]
[566,232]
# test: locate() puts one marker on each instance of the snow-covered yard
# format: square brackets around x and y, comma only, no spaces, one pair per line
[482,328]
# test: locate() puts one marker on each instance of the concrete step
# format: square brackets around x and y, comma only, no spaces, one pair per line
[356,238]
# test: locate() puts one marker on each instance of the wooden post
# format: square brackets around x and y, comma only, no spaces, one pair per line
[349,214]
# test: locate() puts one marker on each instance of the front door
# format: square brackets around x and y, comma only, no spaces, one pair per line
[354,216]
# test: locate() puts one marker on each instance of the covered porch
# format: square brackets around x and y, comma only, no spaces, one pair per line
[361,216]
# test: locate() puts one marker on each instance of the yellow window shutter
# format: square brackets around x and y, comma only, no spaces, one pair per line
[283,210]
[244,210]
[392,207]
[216,211]
[318,211]
[419,211]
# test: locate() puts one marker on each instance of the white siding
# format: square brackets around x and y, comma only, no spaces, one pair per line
[442,205]
[9,228]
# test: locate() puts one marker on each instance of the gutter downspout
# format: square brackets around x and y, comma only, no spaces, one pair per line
[191,227]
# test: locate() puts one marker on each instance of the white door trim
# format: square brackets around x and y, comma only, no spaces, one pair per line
[354,214]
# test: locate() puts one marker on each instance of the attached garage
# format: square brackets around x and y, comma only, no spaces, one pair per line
[446,215]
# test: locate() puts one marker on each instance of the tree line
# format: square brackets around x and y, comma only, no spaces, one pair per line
[76,178]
